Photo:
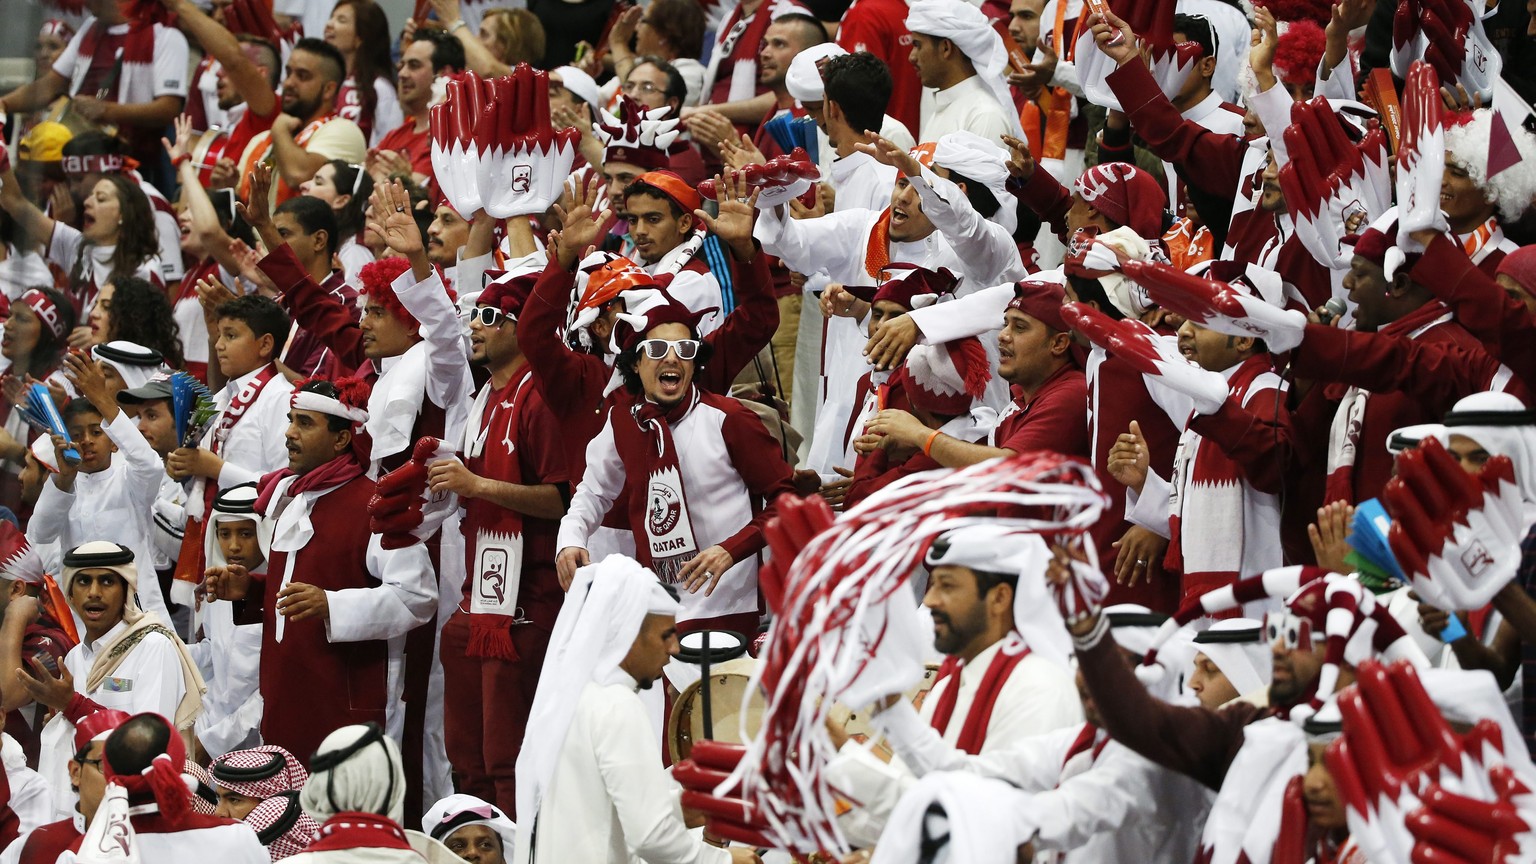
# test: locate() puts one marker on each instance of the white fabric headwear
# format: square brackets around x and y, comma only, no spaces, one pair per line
[134,374]
[42,450]
[1246,664]
[976,820]
[457,811]
[599,620]
[368,779]
[581,85]
[984,161]
[78,559]
[803,80]
[236,504]
[1139,639]
[1130,298]
[966,26]
[997,549]
[1517,441]
[1409,437]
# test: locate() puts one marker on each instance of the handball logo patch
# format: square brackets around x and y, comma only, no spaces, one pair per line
[522,179]
[664,509]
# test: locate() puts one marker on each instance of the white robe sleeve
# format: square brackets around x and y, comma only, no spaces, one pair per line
[972,315]
[1116,789]
[985,246]
[1274,109]
[645,800]
[1033,764]
[144,466]
[1335,83]
[447,362]
[808,245]
[1153,507]
[405,601]
[50,515]
[599,488]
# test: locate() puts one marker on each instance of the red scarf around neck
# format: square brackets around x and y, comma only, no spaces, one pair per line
[974,733]
[343,469]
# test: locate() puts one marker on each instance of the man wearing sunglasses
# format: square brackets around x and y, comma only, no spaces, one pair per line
[512,485]
[699,471]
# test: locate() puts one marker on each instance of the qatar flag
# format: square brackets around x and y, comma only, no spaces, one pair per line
[1510,112]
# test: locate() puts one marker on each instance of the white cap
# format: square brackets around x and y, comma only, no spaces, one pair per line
[803,80]
[581,84]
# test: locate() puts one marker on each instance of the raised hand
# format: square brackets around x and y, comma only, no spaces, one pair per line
[1021,163]
[1129,460]
[886,153]
[738,155]
[1077,585]
[389,217]
[1457,536]
[184,140]
[258,211]
[580,225]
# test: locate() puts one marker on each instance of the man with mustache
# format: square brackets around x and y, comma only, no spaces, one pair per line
[1005,677]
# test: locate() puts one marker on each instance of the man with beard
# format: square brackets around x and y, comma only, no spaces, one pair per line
[1005,677]
[307,134]
[513,484]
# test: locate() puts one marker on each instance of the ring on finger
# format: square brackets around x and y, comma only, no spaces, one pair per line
[1141,562]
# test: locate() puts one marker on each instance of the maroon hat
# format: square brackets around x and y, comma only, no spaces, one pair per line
[96,725]
[1125,194]
[1520,265]
[1041,301]
[631,328]
[905,289]
[945,379]
[507,292]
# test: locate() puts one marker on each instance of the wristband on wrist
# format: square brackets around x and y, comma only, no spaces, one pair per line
[181,160]
[928,445]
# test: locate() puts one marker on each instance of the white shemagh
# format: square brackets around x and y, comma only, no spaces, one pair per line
[966,26]
[395,402]
[998,549]
[1514,437]
[803,80]
[598,623]
[954,817]
[1246,664]
[983,161]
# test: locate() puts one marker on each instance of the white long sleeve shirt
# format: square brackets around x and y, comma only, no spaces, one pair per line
[610,801]
[1038,697]
[1101,804]
[435,368]
[115,504]
[255,444]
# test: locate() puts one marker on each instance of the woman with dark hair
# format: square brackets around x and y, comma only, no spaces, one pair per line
[672,30]
[346,187]
[116,238]
[360,31]
[32,345]
[132,310]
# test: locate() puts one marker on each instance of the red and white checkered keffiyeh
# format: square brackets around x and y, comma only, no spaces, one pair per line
[846,627]
[282,825]
[260,772]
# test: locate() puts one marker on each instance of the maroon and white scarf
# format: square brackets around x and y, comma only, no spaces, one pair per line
[494,534]
[1209,489]
[668,529]
[974,733]
[240,403]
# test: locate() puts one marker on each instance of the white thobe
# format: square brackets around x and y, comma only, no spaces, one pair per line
[148,678]
[1038,697]
[968,105]
[229,656]
[255,445]
[609,799]
[434,368]
[837,243]
[116,504]
[1100,805]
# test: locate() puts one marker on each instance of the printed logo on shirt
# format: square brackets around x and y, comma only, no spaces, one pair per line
[117,685]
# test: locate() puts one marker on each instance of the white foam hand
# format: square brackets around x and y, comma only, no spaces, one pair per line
[531,159]
[1342,181]
[777,181]
[1218,306]
[1420,157]
[1457,536]
[1156,357]
[455,151]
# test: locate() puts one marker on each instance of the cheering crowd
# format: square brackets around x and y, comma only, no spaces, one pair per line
[731,430]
